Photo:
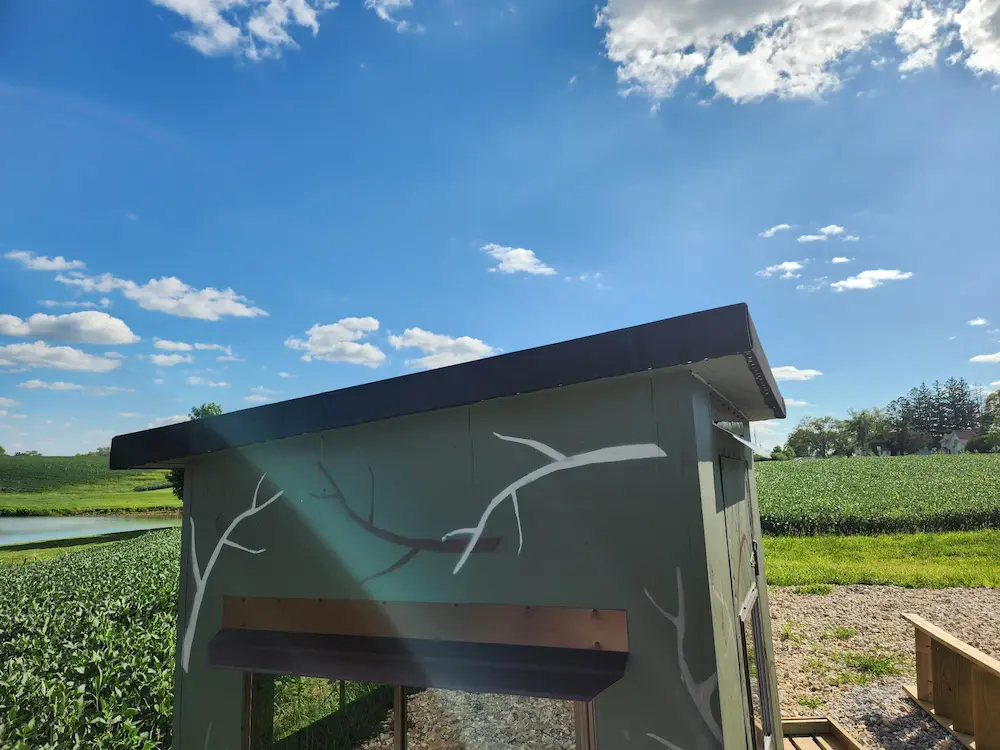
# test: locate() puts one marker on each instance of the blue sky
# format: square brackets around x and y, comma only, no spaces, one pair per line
[321,195]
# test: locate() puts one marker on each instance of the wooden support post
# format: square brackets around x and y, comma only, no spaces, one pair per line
[986,709]
[925,682]
[586,729]
[399,718]
[952,675]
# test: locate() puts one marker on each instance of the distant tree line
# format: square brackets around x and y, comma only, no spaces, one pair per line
[909,424]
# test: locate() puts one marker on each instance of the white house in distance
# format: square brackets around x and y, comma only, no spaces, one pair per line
[956,440]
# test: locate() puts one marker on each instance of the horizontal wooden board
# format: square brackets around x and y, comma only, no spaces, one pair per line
[974,655]
[949,725]
[567,627]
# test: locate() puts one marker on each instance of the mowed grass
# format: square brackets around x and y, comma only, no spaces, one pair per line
[879,495]
[926,560]
[67,485]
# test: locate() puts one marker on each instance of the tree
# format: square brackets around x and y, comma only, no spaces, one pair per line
[104,450]
[2,451]
[813,436]
[176,476]
[27,453]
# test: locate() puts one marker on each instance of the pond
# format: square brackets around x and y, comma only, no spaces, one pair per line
[28,529]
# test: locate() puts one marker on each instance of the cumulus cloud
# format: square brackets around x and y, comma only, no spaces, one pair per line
[41,355]
[340,342]
[285,375]
[790,372]
[88,327]
[850,238]
[108,390]
[811,238]
[831,230]
[818,283]
[387,10]
[870,279]
[256,31]
[440,350]
[841,259]
[259,395]
[83,305]
[171,346]
[978,322]
[169,360]
[747,50]
[198,380]
[41,263]
[795,402]
[214,348]
[57,385]
[991,358]
[774,230]
[517,260]
[169,295]
[4,401]
[787,269]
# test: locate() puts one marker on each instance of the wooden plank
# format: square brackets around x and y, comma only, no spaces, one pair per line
[842,735]
[966,739]
[986,710]
[399,718]
[952,675]
[925,683]
[798,726]
[806,743]
[586,728]
[974,655]
[787,744]
[568,627]
[825,743]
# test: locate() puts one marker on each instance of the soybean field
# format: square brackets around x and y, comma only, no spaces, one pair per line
[879,495]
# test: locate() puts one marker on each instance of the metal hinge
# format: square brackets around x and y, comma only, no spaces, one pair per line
[756,557]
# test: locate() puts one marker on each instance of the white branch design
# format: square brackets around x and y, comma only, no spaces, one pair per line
[700,692]
[201,577]
[559,462]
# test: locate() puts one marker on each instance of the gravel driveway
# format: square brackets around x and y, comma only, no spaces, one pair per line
[844,654]
[827,644]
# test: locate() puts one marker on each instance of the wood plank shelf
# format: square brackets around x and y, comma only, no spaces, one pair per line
[815,733]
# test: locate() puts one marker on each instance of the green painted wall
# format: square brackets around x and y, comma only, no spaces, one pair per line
[609,535]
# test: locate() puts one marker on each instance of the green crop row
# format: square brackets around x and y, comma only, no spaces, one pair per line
[87,647]
[47,473]
[879,495]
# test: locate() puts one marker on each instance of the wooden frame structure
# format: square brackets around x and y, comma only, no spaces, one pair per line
[958,685]
[815,733]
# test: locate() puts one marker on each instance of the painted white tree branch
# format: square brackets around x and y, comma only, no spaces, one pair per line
[700,692]
[201,577]
[559,462]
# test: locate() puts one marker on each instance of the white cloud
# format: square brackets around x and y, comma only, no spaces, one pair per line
[787,269]
[41,263]
[870,279]
[516,260]
[386,10]
[995,385]
[850,238]
[169,295]
[10,415]
[795,402]
[285,375]
[799,50]
[572,80]
[811,238]
[169,360]
[992,358]
[440,350]
[108,390]
[175,419]
[340,342]
[198,380]
[978,322]
[818,283]
[4,401]
[129,414]
[257,398]
[790,372]
[171,346]
[841,259]
[257,30]
[831,230]
[158,381]
[773,230]
[114,355]
[41,355]
[57,385]
[214,348]
[88,327]
[229,358]
[87,305]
